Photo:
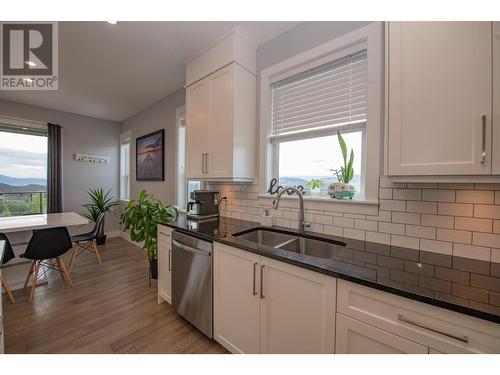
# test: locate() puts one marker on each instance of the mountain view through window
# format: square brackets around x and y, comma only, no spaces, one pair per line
[23,174]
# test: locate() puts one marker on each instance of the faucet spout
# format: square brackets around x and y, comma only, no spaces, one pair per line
[292,190]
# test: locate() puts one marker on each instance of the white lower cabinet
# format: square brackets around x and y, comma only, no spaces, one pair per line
[164,264]
[355,337]
[265,306]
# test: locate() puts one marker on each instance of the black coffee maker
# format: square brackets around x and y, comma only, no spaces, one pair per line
[203,204]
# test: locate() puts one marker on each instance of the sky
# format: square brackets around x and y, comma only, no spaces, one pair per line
[23,156]
[316,156]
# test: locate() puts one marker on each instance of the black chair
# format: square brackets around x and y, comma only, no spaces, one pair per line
[87,241]
[45,250]
[8,254]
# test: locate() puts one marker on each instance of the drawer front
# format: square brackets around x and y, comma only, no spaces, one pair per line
[443,330]
[164,230]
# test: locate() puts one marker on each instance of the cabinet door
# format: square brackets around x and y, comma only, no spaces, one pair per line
[220,157]
[297,309]
[355,337]
[496,98]
[236,302]
[439,87]
[197,128]
[164,268]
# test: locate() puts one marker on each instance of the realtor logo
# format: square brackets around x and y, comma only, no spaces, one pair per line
[29,56]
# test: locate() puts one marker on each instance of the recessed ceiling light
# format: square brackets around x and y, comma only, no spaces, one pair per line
[112,22]
[30,63]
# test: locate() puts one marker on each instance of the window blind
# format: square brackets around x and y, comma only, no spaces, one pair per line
[329,96]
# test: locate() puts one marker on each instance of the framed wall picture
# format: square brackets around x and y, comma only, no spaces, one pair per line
[149,156]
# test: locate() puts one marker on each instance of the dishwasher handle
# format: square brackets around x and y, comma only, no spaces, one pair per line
[191,249]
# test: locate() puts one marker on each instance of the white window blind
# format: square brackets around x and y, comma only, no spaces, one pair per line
[329,96]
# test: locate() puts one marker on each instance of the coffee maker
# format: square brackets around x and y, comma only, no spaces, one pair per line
[203,205]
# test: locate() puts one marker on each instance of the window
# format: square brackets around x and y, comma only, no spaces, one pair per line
[184,187]
[308,109]
[125,166]
[23,168]
[305,99]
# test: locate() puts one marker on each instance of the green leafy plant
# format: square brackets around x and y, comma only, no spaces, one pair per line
[140,218]
[101,202]
[346,172]
[315,183]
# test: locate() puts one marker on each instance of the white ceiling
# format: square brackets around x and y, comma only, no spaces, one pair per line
[114,71]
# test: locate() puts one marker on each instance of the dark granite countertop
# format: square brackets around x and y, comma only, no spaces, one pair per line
[465,285]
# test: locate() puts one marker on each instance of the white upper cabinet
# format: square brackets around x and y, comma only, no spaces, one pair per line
[439,89]
[220,113]
[496,98]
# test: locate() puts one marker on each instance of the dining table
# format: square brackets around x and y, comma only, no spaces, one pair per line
[19,230]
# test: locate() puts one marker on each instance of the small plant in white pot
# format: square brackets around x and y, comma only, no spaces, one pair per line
[315,185]
[343,189]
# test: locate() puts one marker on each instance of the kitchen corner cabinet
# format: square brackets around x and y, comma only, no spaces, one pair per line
[266,306]
[220,125]
[164,264]
[439,87]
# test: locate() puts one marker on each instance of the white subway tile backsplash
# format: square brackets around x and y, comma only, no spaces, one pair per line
[439,195]
[436,246]
[412,243]
[406,218]
[391,228]
[486,239]
[473,252]
[421,232]
[438,221]
[452,235]
[474,224]
[458,218]
[422,207]
[407,194]
[455,209]
[476,196]
[487,211]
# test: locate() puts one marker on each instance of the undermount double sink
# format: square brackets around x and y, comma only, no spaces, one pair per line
[295,243]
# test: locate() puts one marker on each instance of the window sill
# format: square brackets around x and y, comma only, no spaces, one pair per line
[355,206]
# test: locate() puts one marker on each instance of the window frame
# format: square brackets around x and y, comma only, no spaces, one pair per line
[369,37]
[125,139]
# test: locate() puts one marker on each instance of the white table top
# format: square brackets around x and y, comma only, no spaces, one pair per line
[29,222]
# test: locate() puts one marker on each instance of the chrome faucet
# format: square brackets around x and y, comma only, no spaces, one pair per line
[290,189]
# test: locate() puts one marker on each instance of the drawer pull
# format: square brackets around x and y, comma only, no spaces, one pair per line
[412,322]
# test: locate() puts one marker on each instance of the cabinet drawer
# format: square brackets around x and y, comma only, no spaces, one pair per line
[443,330]
[166,231]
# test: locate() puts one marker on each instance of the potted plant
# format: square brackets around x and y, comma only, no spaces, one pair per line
[140,218]
[315,184]
[343,189]
[102,202]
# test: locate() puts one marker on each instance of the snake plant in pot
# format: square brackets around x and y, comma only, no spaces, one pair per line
[343,189]
[101,202]
[140,219]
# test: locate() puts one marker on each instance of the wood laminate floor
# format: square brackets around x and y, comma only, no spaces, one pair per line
[111,309]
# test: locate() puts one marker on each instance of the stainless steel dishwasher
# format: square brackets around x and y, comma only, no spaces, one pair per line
[192,281]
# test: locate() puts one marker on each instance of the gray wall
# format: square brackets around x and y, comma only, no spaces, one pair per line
[302,37]
[84,135]
[160,115]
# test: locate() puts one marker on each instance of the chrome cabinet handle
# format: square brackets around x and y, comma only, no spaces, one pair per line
[262,282]
[206,162]
[203,163]
[254,292]
[170,260]
[412,322]
[483,125]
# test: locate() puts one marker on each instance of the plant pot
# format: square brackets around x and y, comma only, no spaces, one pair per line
[100,240]
[153,268]
[340,190]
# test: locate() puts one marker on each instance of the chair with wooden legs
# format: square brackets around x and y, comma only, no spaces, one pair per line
[8,254]
[45,250]
[86,241]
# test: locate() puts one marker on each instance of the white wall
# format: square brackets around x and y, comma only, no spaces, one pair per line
[160,115]
[81,134]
